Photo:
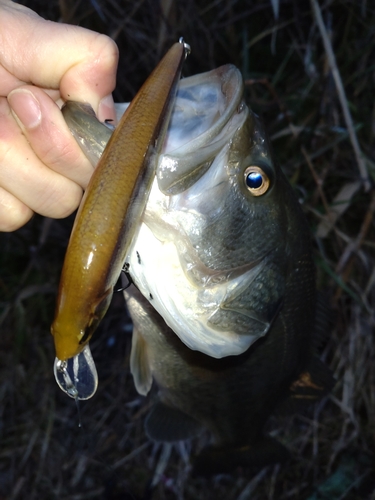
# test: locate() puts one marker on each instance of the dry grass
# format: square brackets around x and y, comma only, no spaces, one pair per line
[43,452]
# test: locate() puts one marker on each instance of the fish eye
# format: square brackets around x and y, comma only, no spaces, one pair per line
[256,180]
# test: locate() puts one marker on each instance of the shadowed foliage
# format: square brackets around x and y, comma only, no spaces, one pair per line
[287,66]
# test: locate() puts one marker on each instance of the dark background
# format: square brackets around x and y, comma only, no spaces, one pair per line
[43,452]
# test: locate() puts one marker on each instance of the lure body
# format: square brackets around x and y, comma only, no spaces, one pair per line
[112,204]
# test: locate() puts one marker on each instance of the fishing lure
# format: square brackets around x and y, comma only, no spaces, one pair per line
[106,221]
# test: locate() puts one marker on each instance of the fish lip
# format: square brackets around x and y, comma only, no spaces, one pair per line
[172,180]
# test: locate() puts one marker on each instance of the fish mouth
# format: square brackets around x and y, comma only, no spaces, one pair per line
[199,125]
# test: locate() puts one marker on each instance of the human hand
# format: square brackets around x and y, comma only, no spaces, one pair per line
[42,63]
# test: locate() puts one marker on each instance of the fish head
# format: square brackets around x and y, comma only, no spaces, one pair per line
[218,237]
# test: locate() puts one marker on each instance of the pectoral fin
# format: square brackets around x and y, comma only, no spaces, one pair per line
[140,364]
[165,423]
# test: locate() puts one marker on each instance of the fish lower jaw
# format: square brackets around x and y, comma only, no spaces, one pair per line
[156,270]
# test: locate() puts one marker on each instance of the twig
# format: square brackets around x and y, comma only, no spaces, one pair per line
[318,182]
[341,93]
[353,246]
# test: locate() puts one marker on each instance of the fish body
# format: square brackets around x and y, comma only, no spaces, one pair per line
[224,302]
[111,206]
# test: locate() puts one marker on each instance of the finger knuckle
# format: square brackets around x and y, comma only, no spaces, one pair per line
[107,51]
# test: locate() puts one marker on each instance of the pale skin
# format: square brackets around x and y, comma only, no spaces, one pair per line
[42,64]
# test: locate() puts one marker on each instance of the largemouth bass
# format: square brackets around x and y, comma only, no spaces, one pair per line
[224,303]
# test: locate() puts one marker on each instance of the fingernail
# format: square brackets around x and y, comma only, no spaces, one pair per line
[106,109]
[26,108]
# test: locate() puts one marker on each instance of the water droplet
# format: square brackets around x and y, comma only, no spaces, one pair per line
[77,376]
